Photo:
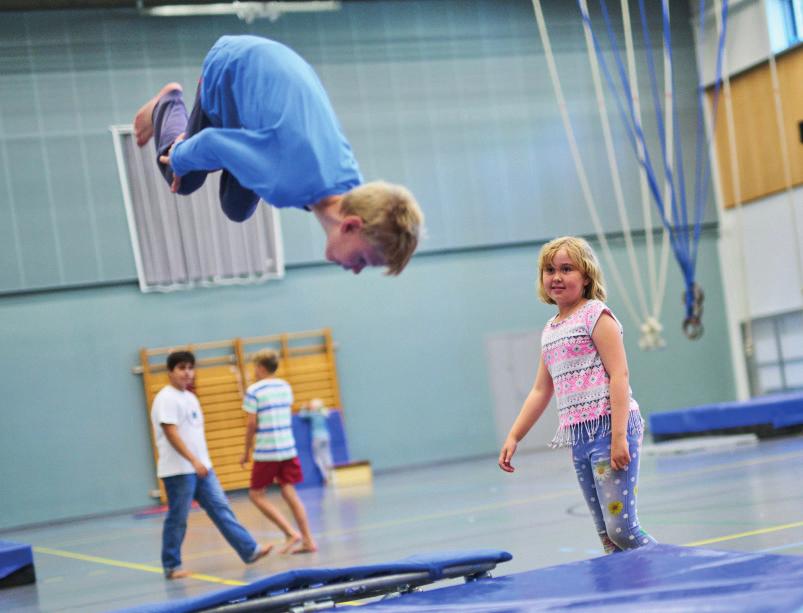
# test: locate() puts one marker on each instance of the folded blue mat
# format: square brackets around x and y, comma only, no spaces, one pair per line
[13,557]
[777,410]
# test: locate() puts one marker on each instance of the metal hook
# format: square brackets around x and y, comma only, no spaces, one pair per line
[693,327]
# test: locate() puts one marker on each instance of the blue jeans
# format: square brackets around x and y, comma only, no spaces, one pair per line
[610,494]
[181,490]
[169,120]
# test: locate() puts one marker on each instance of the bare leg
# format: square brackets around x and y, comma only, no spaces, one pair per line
[270,511]
[143,120]
[300,514]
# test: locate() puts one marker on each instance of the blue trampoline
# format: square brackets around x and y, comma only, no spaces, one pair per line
[297,588]
[653,578]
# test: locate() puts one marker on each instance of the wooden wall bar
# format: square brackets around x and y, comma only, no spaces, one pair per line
[223,372]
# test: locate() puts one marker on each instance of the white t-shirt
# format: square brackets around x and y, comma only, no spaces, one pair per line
[182,409]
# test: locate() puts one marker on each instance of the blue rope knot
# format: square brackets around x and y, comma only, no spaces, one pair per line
[692,325]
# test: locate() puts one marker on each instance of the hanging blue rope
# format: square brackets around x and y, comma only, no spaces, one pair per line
[635,133]
[684,238]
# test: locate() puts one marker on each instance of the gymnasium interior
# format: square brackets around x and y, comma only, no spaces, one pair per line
[667,133]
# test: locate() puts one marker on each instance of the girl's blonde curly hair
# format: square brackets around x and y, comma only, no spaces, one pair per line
[582,255]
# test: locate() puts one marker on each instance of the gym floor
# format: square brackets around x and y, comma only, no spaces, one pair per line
[742,498]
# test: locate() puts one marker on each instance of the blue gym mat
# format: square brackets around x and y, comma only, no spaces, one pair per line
[14,556]
[16,564]
[653,578]
[776,411]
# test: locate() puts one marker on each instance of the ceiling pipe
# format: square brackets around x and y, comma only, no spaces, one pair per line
[256,8]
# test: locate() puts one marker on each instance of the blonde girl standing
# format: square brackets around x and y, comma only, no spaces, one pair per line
[583,363]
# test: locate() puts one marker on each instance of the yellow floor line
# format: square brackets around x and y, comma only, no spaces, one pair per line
[131,565]
[739,535]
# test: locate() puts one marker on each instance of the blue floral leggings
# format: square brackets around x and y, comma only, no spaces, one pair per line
[610,494]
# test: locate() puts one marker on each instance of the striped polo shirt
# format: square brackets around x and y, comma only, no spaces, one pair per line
[271,400]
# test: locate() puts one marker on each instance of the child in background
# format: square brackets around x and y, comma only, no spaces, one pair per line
[318,416]
[583,363]
[186,470]
[268,403]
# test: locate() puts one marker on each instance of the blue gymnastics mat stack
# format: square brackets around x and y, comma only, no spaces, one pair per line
[16,564]
[764,416]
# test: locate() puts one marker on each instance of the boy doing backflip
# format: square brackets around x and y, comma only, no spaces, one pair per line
[268,403]
[262,116]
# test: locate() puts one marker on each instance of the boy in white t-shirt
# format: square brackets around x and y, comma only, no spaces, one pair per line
[186,470]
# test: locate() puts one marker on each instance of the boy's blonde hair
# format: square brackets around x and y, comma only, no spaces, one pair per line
[579,252]
[267,359]
[392,220]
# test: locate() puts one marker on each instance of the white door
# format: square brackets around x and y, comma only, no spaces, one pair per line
[512,364]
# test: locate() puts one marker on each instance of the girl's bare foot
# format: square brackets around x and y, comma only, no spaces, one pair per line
[143,120]
[289,543]
[306,547]
[178,574]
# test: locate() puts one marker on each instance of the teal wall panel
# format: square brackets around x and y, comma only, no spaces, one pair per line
[18,114]
[39,236]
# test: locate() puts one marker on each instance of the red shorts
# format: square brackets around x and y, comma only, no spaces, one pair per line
[283,472]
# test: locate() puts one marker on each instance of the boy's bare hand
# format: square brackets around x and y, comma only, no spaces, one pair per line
[508,449]
[200,470]
[620,453]
[243,461]
[165,159]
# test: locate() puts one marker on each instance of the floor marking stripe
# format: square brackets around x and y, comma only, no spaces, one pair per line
[780,547]
[739,535]
[130,565]
[718,467]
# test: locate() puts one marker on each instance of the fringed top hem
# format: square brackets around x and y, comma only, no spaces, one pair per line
[568,435]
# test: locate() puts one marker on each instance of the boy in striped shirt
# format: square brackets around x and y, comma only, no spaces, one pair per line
[269,433]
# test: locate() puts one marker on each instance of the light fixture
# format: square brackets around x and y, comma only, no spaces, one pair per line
[247,11]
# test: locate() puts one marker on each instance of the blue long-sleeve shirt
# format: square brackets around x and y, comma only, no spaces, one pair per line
[273,126]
